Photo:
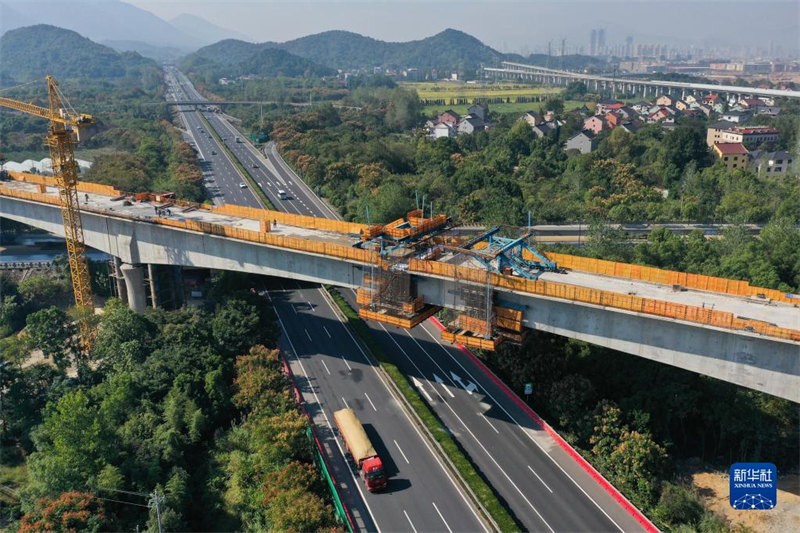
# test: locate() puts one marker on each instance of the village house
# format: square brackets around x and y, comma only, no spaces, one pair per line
[772,163]
[751,136]
[532,118]
[470,124]
[449,117]
[595,124]
[733,155]
[714,132]
[443,129]
[545,129]
[480,110]
[584,142]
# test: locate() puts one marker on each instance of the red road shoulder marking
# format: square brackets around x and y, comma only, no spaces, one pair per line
[578,458]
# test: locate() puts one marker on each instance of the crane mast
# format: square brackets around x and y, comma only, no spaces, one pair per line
[64,122]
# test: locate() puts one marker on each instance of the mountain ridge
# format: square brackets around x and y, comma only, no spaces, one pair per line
[31,52]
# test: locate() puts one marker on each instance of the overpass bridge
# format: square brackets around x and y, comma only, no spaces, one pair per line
[511,70]
[721,328]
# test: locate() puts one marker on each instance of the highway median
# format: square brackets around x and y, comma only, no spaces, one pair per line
[480,489]
[245,174]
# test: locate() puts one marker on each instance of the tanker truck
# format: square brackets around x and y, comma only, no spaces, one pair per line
[361,450]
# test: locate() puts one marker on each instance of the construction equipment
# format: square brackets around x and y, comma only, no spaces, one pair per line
[65,123]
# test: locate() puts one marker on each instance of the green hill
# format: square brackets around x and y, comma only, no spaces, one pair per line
[34,51]
[232,58]
[447,50]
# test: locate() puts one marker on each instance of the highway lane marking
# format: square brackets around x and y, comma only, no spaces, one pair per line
[408,417]
[327,421]
[410,522]
[487,421]
[442,517]
[293,309]
[540,479]
[490,456]
[370,402]
[421,388]
[525,432]
[440,381]
[421,373]
[345,403]
[311,307]
[326,331]
[404,456]
[309,336]
[326,366]
[345,362]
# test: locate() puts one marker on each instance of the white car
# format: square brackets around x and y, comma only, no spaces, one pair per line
[243,185]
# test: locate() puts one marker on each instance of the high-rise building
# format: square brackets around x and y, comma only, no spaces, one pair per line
[628,46]
[601,39]
[593,43]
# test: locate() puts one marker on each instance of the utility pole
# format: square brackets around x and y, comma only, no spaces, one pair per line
[156,499]
[563,44]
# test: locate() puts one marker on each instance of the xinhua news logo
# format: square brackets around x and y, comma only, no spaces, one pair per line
[754,486]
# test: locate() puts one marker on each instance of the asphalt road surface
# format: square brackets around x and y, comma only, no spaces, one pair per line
[332,371]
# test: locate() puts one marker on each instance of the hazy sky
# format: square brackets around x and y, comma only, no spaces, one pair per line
[504,24]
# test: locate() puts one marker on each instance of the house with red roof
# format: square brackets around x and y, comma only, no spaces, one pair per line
[733,155]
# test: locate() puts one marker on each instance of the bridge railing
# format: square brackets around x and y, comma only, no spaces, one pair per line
[553,289]
[627,302]
[667,277]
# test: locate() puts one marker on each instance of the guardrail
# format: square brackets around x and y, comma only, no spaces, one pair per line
[603,298]
[666,277]
[554,289]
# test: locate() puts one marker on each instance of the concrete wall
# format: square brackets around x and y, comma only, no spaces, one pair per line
[744,358]
[740,357]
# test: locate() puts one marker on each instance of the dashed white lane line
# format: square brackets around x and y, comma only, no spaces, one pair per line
[345,362]
[401,452]
[326,331]
[345,403]
[540,479]
[370,402]
[490,424]
[326,366]
[410,523]
[327,421]
[528,434]
[442,517]
[308,335]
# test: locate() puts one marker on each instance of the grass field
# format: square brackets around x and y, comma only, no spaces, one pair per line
[436,90]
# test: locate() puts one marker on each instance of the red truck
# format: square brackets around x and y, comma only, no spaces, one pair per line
[361,450]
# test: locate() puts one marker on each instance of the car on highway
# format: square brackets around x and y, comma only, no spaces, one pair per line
[255,165]
[282,194]
[213,152]
[243,185]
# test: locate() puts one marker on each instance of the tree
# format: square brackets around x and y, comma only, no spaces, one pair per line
[50,331]
[677,505]
[71,511]
[235,326]
[41,291]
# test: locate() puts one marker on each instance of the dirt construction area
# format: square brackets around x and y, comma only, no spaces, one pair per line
[713,490]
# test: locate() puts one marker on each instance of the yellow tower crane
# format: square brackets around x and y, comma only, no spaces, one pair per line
[63,132]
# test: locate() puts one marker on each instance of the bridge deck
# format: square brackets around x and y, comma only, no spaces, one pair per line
[779,314]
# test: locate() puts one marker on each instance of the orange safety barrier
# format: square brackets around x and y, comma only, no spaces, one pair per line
[475,325]
[82,186]
[664,277]
[303,221]
[605,298]
[471,341]
[363,296]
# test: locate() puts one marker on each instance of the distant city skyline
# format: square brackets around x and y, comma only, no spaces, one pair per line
[709,24]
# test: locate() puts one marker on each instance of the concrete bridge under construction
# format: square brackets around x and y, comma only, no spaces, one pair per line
[406,270]
[639,86]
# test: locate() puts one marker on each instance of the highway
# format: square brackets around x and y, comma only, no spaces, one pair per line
[332,371]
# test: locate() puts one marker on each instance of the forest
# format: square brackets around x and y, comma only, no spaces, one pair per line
[187,403]
[644,425]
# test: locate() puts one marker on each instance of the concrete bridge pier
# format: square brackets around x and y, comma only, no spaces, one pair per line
[119,280]
[134,283]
